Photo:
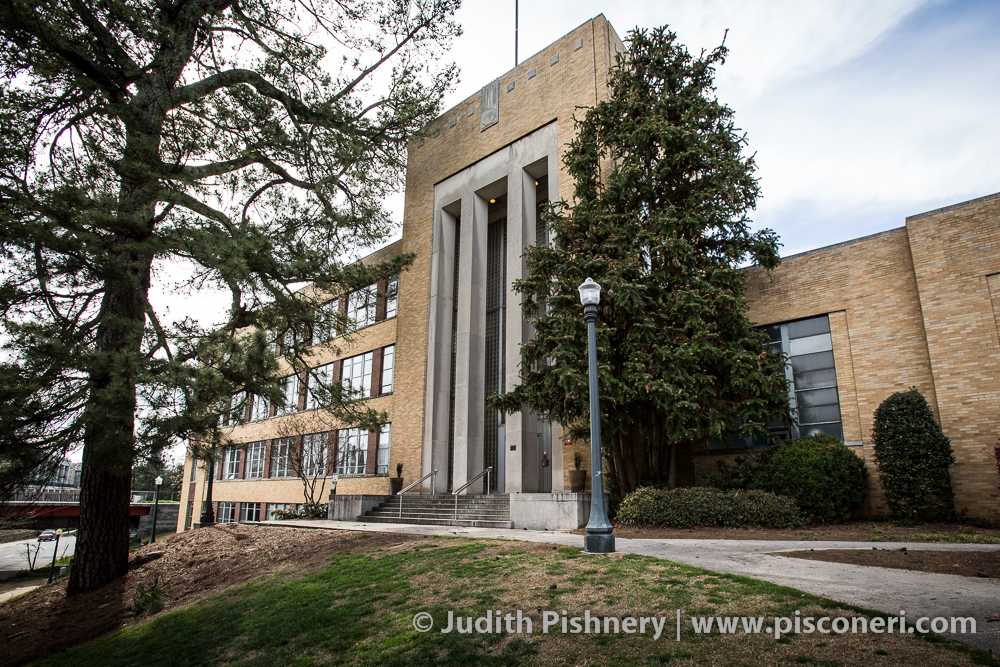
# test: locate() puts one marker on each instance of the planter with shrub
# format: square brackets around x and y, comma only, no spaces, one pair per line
[704,506]
[826,478]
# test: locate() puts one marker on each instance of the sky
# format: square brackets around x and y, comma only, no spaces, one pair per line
[860,113]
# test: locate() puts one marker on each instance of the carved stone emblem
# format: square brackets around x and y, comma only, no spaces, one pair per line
[489,114]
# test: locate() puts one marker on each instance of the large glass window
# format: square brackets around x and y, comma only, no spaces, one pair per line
[281,457]
[260,408]
[290,388]
[255,460]
[392,297]
[812,380]
[272,507]
[250,512]
[325,325]
[231,463]
[361,306]
[226,513]
[320,376]
[357,374]
[352,450]
[384,448]
[314,449]
[388,361]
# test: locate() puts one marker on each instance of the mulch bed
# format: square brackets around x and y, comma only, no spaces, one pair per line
[195,564]
[853,531]
[964,563]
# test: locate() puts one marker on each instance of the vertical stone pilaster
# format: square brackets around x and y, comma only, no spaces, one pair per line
[470,391]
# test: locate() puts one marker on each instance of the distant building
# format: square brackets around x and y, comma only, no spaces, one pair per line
[917,306]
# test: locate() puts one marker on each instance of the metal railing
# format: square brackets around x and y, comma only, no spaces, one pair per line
[466,485]
[402,491]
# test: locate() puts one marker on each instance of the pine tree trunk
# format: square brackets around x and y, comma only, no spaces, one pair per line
[109,416]
[672,472]
[102,541]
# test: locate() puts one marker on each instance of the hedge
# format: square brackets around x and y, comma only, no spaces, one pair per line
[703,506]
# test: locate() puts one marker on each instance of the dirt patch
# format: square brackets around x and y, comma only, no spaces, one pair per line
[964,563]
[854,531]
[194,564]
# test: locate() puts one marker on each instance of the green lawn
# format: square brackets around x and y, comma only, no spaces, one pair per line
[360,609]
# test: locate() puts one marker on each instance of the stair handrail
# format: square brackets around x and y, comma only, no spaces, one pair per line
[466,485]
[402,491]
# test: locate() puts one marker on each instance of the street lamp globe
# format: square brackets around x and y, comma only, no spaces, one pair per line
[158,481]
[590,293]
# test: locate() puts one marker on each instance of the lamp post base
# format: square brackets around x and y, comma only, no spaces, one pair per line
[599,543]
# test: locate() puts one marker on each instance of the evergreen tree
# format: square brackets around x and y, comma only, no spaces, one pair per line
[660,219]
[913,457]
[251,141]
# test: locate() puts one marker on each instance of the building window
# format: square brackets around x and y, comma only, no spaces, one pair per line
[388,360]
[290,389]
[320,376]
[190,516]
[226,513]
[255,460]
[357,374]
[194,470]
[260,408]
[281,457]
[231,463]
[812,381]
[392,297]
[314,449]
[384,447]
[353,451]
[325,323]
[250,512]
[361,306]
[273,507]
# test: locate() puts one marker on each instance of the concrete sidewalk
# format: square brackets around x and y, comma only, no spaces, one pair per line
[887,590]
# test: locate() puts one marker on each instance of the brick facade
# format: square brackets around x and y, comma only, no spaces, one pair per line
[917,306]
[911,307]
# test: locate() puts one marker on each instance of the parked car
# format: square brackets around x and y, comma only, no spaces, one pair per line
[47,536]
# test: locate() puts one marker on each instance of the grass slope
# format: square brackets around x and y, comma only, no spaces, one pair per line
[359,611]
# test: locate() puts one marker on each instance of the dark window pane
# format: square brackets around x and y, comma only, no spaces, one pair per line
[812,379]
[773,332]
[808,399]
[824,413]
[810,327]
[812,362]
[836,430]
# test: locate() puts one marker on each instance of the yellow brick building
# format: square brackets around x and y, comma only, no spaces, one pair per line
[916,306]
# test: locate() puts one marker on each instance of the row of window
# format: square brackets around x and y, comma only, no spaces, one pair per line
[231,512]
[354,373]
[253,512]
[361,307]
[311,456]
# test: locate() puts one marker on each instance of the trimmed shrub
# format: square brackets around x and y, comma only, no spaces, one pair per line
[703,506]
[913,455]
[826,479]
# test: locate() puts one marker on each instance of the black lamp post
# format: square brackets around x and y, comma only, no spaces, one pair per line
[207,513]
[156,504]
[600,537]
[52,569]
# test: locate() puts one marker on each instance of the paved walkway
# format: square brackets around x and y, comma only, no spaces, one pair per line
[882,589]
[17,591]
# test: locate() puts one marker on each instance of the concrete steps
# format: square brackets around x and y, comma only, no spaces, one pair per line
[474,511]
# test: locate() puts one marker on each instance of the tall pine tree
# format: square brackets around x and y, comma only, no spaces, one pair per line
[660,219]
[252,141]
